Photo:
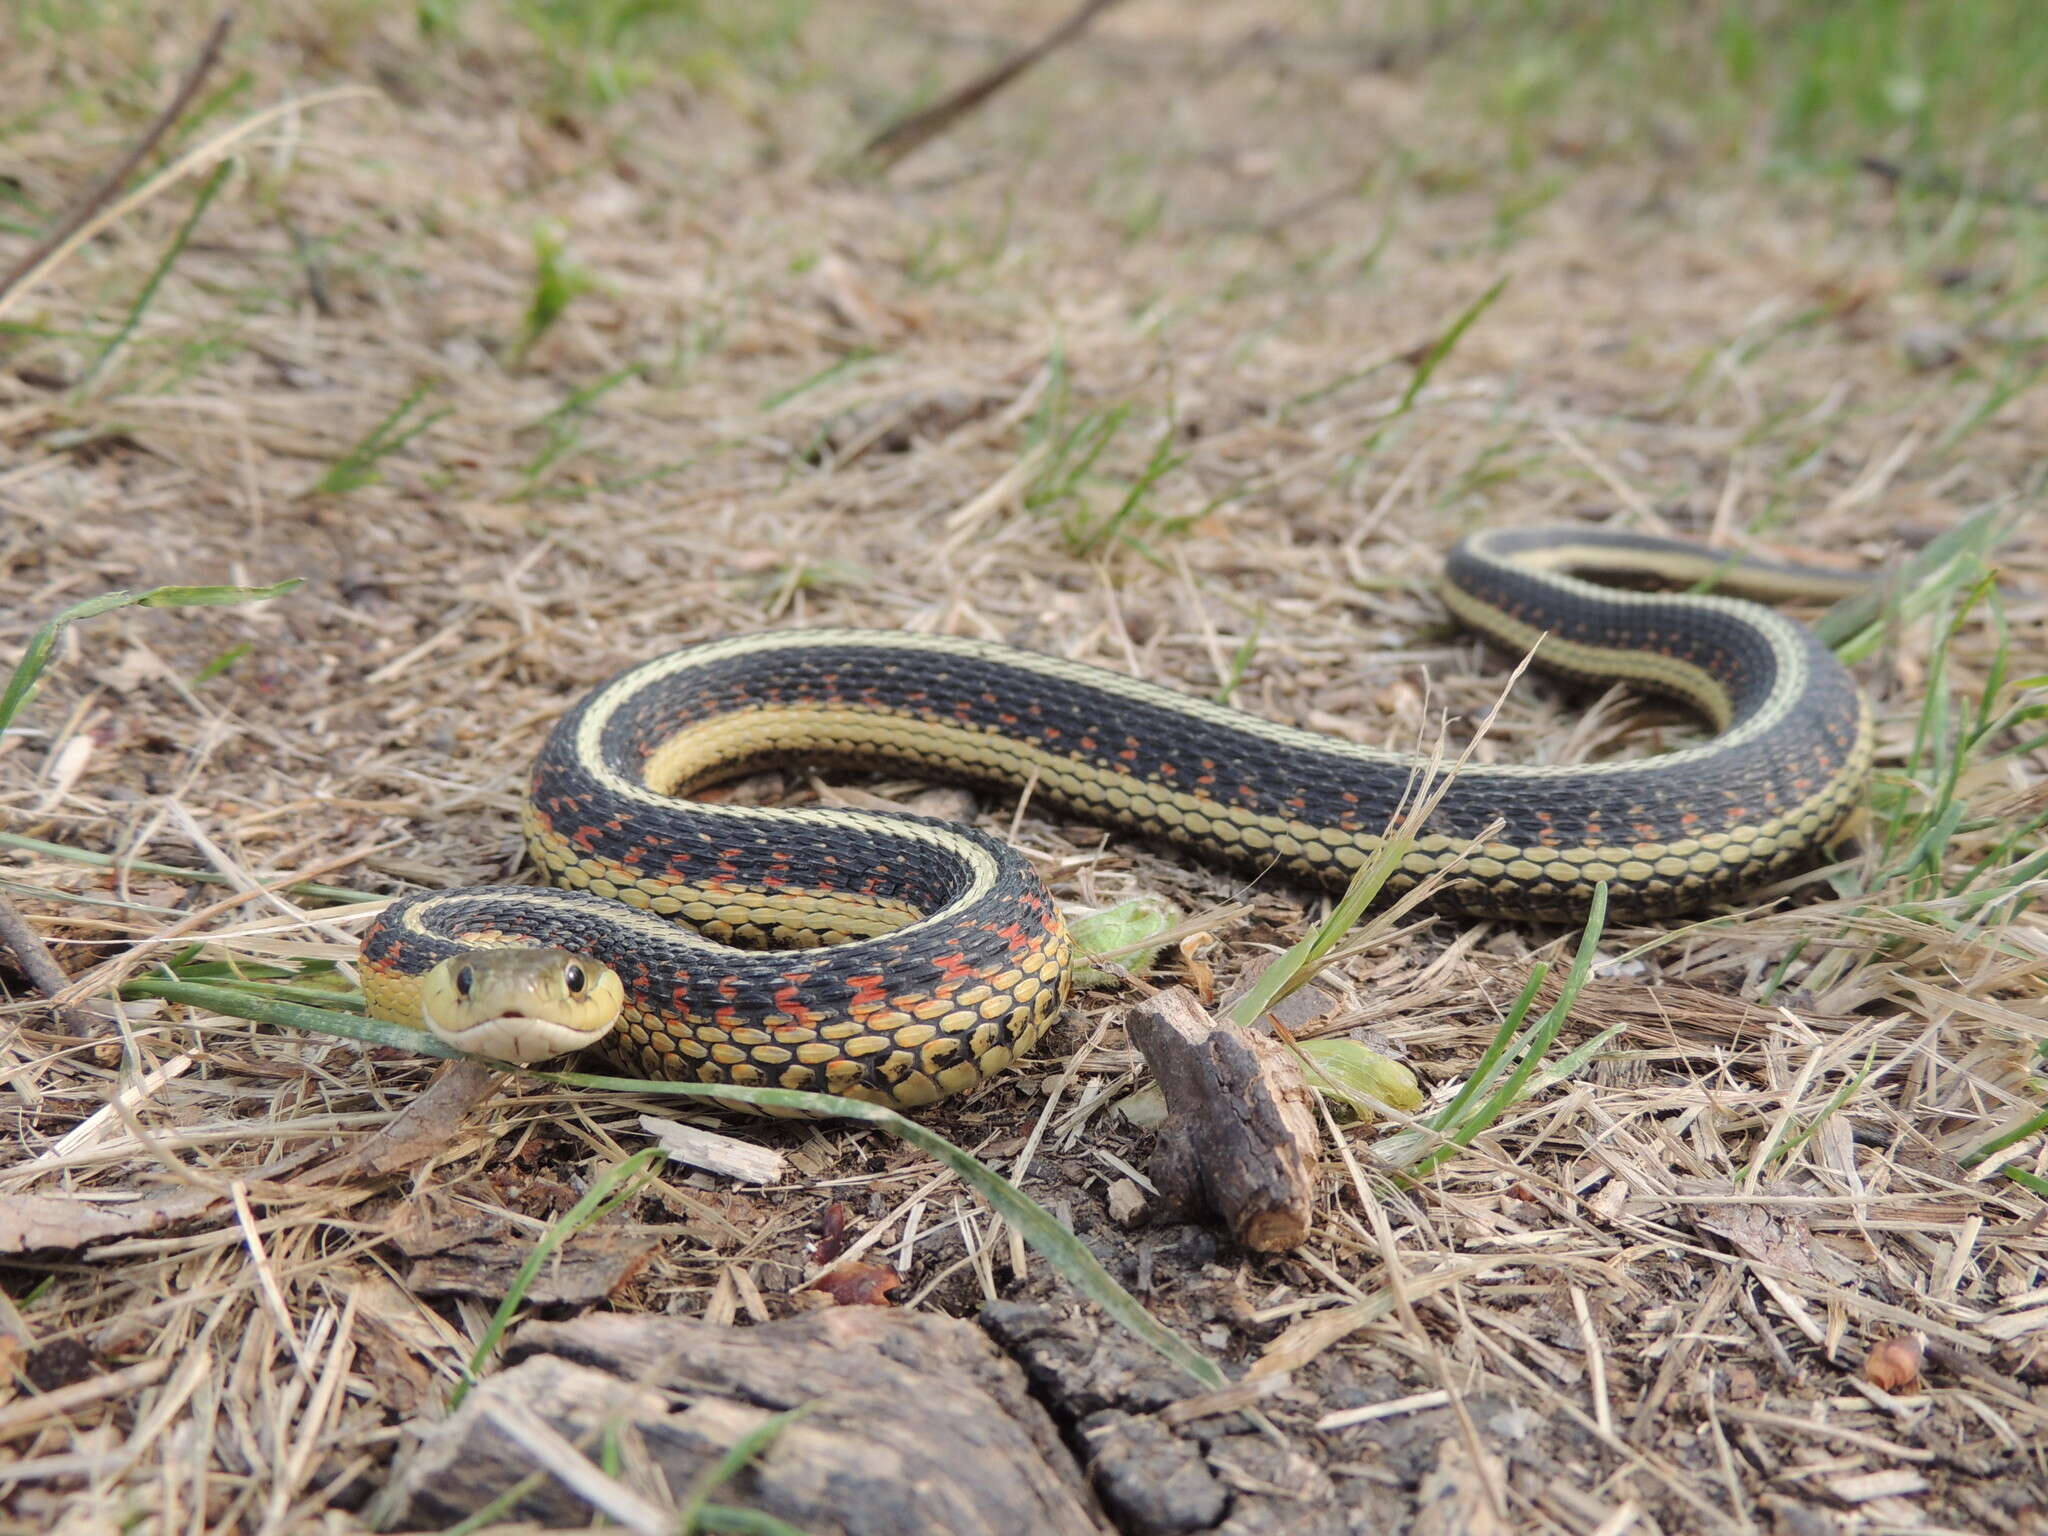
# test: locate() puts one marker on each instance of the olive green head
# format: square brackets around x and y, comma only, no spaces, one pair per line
[520,1004]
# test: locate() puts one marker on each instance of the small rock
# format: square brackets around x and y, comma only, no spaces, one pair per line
[1928,347]
[1152,1482]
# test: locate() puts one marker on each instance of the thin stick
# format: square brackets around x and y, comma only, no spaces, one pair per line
[36,962]
[911,133]
[1945,183]
[114,180]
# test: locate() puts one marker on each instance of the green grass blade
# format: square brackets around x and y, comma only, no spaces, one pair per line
[1856,626]
[750,1445]
[2033,1125]
[143,300]
[1503,1040]
[1298,963]
[729,1520]
[607,1192]
[36,657]
[313,888]
[1527,1052]
[1444,344]
[358,467]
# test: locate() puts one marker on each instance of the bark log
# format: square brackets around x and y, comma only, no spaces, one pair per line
[921,1427]
[1239,1141]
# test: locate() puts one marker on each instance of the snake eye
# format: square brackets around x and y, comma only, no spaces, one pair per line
[572,978]
[465,982]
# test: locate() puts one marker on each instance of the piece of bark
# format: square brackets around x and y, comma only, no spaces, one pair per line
[920,1426]
[33,959]
[1075,1368]
[581,1273]
[65,1223]
[480,1256]
[1239,1140]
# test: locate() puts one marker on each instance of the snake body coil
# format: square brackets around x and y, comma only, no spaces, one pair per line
[899,959]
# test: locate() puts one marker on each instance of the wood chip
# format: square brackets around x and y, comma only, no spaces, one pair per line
[746,1161]
[1890,1483]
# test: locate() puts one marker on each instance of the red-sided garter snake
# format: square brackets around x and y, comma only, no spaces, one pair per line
[900,959]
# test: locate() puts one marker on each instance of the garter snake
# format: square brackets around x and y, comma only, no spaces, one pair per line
[899,959]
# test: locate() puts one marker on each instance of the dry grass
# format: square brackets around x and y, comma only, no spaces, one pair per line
[774,397]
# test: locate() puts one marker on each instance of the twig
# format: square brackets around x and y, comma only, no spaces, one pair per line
[32,956]
[1945,183]
[209,55]
[911,133]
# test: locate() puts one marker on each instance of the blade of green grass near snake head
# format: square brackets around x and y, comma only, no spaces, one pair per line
[608,1191]
[100,860]
[36,657]
[1060,1247]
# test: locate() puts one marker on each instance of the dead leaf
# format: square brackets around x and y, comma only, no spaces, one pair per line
[831,1239]
[858,1284]
[1894,1363]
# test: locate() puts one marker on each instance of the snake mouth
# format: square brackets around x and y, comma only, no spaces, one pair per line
[520,1005]
[518,1037]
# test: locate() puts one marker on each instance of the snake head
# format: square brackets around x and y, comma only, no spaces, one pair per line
[520,1004]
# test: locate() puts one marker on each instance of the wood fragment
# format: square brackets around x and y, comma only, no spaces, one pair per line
[425,1129]
[1240,1135]
[64,1223]
[1891,1483]
[27,1413]
[472,1254]
[746,1161]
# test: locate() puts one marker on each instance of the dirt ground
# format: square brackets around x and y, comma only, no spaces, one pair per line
[526,383]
